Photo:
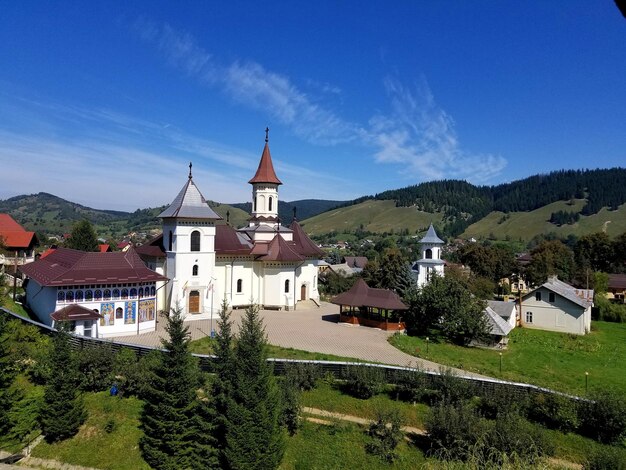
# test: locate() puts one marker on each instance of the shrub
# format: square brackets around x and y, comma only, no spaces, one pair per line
[132,374]
[303,375]
[453,389]
[110,426]
[95,365]
[500,400]
[606,458]
[513,435]
[411,386]
[604,417]
[364,381]
[554,411]
[386,434]
[291,407]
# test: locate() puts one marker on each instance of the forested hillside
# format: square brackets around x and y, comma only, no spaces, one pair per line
[463,204]
[305,208]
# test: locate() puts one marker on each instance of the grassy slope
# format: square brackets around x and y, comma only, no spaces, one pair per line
[375,216]
[555,360]
[526,225]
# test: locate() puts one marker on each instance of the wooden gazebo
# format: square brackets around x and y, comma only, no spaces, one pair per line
[377,308]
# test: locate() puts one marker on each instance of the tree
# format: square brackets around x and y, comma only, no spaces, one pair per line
[83,237]
[549,258]
[386,433]
[7,376]
[177,423]
[254,437]
[594,251]
[63,411]
[446,304]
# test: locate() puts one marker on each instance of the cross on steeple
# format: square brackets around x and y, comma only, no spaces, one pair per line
[190,170]
[267,131]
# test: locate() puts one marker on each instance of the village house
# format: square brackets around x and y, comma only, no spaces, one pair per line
[617,288]
[557,306]
[18,245]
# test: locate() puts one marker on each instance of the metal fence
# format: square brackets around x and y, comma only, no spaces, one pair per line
[339,370]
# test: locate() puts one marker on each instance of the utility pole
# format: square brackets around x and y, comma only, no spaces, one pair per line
[15,277]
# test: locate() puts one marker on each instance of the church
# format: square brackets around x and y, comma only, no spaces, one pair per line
[207,261]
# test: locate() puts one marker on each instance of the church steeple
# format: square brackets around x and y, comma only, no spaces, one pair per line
[265,172]
[265,190]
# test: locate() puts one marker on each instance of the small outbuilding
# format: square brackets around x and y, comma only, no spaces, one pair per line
[377,308]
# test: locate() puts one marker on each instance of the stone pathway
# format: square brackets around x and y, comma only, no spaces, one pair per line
[311,329]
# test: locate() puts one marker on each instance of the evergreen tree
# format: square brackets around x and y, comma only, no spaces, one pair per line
[63,411]
[177,423]
[83,237]
[254,437]
[7,376]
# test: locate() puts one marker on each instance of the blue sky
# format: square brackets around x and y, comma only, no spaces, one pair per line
[105,103]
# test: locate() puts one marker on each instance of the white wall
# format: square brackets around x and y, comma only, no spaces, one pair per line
[561,315]
[41,300]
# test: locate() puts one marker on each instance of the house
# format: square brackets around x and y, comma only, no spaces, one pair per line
[356,262]
[617,287]
[208,261]
[557,306]
[506,310]
[499,328]
[102,294]
[18,245]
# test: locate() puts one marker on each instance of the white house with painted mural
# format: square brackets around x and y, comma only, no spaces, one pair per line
[101,294]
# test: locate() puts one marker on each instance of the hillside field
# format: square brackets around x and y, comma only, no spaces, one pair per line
[526,225]
[373,216]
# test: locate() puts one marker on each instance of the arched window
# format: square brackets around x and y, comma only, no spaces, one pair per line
[79,296]
[69,297]
[133,293]
[170,242]
[124,294]
[97,295]
[153,291]
[140,292]
[254,202]
[239,286]
[195,240]
[116,293]
[119,313]
[269,207]
[107,294]
[287,286]
[60,296]
[194,270]
[88,295]
[429,254]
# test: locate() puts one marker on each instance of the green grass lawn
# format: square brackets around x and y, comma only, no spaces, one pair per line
[7,302]
[205,346]
[93,446]
[554,360]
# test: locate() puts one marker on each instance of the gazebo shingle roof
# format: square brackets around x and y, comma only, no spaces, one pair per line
[361,295]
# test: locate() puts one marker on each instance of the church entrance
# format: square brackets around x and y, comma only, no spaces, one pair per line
[303,292]
[194,301]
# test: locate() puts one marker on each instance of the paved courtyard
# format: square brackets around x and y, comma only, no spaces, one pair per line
[312,329]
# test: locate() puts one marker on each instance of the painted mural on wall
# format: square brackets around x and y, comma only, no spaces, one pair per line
[146,310]
[107,310]
[129,313]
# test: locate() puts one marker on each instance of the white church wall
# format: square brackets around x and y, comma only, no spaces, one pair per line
[41,300]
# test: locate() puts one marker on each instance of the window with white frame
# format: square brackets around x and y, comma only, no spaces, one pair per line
[529,317]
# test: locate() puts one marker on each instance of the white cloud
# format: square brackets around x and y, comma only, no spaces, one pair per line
[420,136]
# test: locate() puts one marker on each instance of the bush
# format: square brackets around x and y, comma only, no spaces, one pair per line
[110,426]
[554,411]
[364,381]
[411,386]
[291,407]
[386,434]
[95,365]
[453,389]
[303,375]
[512,435]
[606,458]
[609,311]
[604,417]
[132,374]
[500,400]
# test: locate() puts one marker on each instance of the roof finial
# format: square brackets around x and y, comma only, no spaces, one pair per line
[267,131]
[190,170]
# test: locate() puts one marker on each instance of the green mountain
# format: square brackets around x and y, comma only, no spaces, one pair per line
[305,208]
[566,202]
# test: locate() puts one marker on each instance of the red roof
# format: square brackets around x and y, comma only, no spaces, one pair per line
[74,312]
[303,244]
[47,252]
[13,234]
[229,242]
[104,248]
[152,248]
[361,295]
[279,250]
[265,173]
[617,281]
[66,267]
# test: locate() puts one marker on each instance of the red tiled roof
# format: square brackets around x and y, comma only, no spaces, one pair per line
[47,252]
[361,295]
[303,244]
[74,312]
[13,234]
[265,172]
[617,281]
[229,242]
[104,248]
[66,267]
[153,248]
[279,250]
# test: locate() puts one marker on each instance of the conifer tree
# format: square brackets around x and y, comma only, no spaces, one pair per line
[63,411]
[83,237]
[254,437]
[177,424]
[7,375]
